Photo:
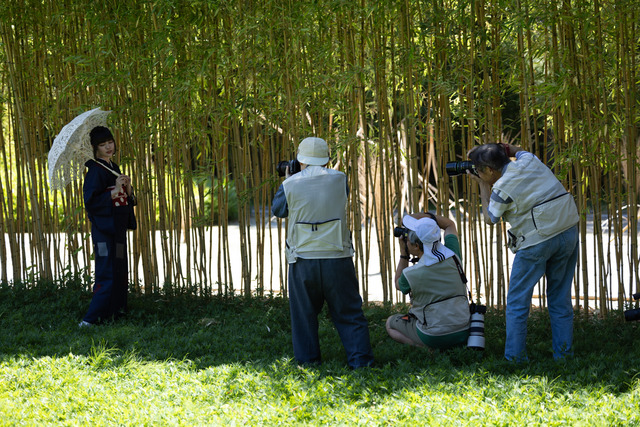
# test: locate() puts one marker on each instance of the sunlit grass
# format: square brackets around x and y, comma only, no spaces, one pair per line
[188,361]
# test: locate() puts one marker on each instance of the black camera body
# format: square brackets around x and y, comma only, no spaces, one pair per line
[294,167]
[400,232]
[477,308]
[458,168]
[633,314]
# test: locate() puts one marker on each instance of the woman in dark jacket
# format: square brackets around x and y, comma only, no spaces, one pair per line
[109,201]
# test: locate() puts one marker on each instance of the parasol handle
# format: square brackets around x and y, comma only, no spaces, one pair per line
[108,168]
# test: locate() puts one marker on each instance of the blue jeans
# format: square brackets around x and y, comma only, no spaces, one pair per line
[557,259]
[313,281]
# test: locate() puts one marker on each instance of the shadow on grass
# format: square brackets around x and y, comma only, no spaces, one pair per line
[41,320]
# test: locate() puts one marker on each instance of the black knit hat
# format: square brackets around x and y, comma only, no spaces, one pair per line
[98,135]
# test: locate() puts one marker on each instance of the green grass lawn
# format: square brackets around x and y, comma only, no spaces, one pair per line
[190,361]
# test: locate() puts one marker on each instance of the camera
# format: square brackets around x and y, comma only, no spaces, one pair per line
[458,168]
[633,314]
[400,232]
[476,327]
[294,167]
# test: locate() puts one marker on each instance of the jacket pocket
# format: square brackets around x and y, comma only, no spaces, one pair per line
[556,215]
[446,316]
[319,236]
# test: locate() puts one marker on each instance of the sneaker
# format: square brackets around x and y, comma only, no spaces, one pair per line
[84,324]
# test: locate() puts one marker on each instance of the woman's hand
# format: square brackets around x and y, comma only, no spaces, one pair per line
[126,183]
[123,182]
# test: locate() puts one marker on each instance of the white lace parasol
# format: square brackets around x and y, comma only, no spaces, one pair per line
[72,148]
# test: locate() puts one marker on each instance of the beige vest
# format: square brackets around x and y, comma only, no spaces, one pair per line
[541,207]
[317,221]
[438,298]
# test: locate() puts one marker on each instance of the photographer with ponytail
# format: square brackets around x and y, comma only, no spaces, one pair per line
[544,238]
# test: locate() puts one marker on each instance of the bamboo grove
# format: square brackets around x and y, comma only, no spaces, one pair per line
[208,96]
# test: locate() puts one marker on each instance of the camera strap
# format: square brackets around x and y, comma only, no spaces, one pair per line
[462,275]
[460,269]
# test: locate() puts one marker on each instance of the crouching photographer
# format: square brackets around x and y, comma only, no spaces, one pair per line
[439,314]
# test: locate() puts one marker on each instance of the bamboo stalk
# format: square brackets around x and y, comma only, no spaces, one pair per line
[401,87]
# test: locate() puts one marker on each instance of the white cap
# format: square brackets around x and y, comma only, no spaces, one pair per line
[425,228]
[313,151]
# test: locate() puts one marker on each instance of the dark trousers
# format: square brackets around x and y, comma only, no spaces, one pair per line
[313,281]
[111,276]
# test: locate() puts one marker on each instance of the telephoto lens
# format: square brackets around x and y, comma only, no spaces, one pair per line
[459,168]
[476,328]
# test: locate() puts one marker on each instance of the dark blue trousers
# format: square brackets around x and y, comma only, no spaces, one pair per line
[111,275]
[313,281]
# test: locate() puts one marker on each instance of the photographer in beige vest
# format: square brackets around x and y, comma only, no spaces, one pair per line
[544,237]
[439,315]
[319,254]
